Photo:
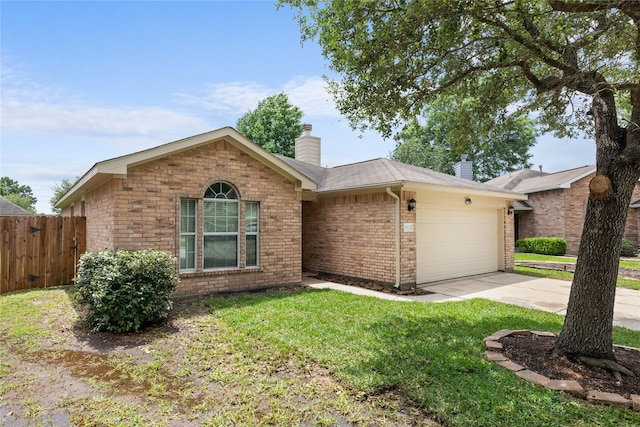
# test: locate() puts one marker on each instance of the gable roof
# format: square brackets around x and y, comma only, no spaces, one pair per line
[380,173]
[117,167]
[529,181]
[8,208]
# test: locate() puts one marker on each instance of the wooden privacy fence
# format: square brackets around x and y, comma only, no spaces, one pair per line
[39,251]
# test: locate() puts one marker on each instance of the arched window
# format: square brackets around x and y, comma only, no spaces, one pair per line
[220,226]
[224,232]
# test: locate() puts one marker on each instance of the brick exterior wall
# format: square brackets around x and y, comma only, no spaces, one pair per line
[143,211]
[547,217]
[575,209]
[632,230]
[350,236]
[560,213]
[509,242]
[408,240]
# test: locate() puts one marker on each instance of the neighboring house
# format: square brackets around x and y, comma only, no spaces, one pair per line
[238,217]
[557,203]
[11,209]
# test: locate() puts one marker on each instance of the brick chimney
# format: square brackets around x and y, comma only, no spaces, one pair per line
[463,168]
[308,147]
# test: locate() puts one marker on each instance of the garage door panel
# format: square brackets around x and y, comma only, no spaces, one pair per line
[455,242]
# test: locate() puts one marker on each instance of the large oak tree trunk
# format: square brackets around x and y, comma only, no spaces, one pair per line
[587,329]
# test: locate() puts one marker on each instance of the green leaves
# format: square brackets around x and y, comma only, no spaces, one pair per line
[126,289]
[496,143]
[274,125]
[20,195]
[396,57]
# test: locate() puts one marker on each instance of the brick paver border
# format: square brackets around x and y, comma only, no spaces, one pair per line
[494,354]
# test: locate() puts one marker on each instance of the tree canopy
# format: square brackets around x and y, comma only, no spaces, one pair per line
[59,190]
[274,124]
[394,56]
[20,195]
[495,150]
[575,63]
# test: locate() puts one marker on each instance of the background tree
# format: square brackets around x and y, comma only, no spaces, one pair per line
[501,147]
[274,125]
[59,190]
[574,62]
[20,195]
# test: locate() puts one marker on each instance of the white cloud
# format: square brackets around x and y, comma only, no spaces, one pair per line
[31,110]
[236,98]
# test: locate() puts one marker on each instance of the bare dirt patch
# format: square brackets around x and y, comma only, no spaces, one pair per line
[374,286]
[535,353]
[177,373]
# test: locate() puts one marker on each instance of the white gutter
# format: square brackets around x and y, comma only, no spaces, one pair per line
[397,285]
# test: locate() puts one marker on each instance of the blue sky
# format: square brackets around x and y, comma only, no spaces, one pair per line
[85,81]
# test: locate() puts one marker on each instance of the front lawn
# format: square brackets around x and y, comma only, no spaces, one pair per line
[297,357]
[566,275]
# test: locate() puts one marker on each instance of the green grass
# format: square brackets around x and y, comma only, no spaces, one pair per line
[303,357]
[566,275]
[521,256]
[430,353]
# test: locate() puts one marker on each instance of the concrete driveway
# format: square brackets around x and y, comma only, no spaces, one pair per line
[531,292]
[525,291]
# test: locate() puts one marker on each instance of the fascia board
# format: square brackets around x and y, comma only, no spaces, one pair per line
[117,167]
[362,189]
[467,191]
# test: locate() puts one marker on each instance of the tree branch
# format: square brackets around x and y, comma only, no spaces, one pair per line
[630,7]
[532,47]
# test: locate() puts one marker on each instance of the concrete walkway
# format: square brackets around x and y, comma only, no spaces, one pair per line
[525,291]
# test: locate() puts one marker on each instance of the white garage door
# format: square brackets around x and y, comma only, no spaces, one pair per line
[455,243]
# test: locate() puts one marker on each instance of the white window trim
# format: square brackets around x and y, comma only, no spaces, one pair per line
[252,233]
[194,234]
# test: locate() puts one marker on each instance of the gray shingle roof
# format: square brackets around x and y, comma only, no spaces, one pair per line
[512,179]
[7,208]
[528,181]
[380,172]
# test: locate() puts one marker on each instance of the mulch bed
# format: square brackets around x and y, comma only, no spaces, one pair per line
[536,354]
[389,289]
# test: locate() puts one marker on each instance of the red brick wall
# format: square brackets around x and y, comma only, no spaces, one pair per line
[142,211]
[509,238]
[575,209]
[408,255]
[351,236]
[547,217]
[560,213]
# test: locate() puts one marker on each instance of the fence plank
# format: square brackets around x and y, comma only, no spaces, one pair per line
[43,248]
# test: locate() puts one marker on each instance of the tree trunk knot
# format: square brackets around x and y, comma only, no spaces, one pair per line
[600,186]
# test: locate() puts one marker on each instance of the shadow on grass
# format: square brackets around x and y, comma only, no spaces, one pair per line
[432,354]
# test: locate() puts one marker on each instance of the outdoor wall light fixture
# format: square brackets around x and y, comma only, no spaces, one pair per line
[510,210]
[412,204]
[467,201]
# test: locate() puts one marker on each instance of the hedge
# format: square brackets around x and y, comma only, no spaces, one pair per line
[629,248]
[126,289]
[543,245]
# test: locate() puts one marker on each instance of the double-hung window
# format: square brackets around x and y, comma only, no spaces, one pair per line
[251,233]
[215,221]
[220,226]
[187,234]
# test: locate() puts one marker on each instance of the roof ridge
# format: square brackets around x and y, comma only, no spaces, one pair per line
[391,167]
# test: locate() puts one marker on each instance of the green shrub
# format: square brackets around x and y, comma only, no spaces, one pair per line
[126,289]
[629,248]
[543,245]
